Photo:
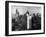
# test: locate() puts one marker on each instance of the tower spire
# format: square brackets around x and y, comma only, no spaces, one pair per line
[17,12]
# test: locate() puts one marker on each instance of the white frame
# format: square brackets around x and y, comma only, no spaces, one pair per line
[27,31]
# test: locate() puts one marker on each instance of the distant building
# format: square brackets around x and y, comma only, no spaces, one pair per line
[17,12]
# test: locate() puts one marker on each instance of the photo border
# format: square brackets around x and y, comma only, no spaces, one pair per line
[7,17]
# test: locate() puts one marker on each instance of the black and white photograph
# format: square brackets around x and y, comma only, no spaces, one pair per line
[25,18]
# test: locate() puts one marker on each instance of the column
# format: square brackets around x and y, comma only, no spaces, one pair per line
[27,21]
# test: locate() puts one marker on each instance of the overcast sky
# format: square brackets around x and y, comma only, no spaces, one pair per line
[23,9]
